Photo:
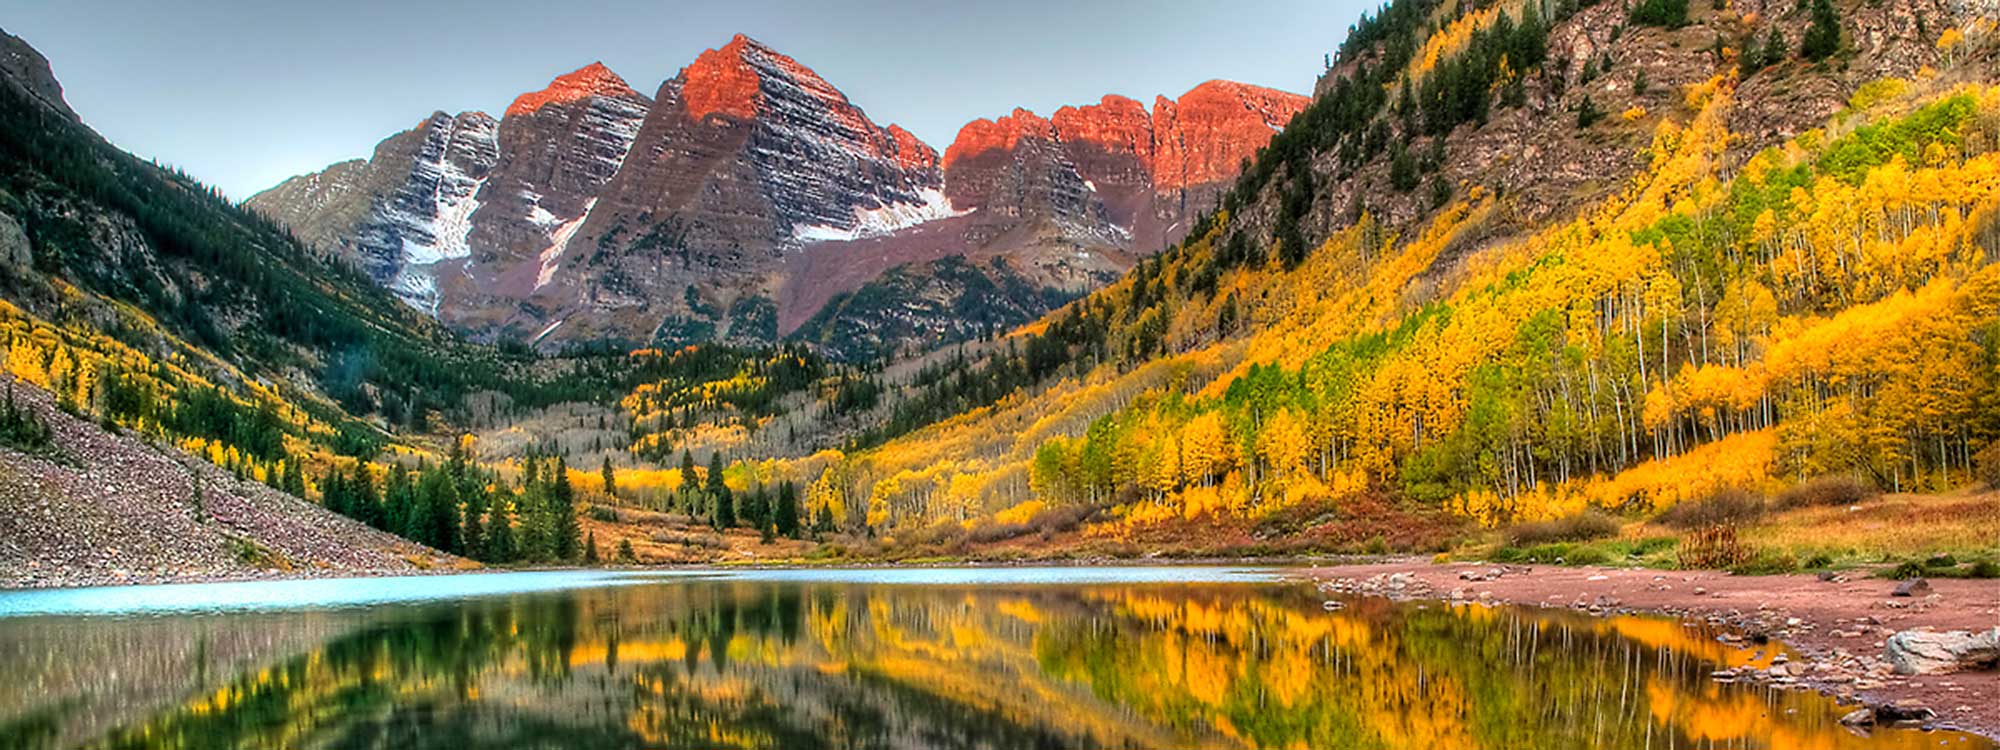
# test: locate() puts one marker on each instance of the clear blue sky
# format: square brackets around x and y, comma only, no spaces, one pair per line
[244,93]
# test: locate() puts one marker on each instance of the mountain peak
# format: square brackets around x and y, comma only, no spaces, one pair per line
[590,80]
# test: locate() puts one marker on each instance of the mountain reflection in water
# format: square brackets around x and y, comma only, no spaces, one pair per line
[750,661]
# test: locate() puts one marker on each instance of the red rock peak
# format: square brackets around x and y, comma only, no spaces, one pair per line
[588,81]
[981,136]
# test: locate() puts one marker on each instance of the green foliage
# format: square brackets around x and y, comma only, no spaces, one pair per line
[1943,122]
[1587,113]
[1822,38]
[786,514]
[1671,14]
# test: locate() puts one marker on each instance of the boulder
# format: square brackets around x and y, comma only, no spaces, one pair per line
[1912,587]
[1925,652]
[14,249]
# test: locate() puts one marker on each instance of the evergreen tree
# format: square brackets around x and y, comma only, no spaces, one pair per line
[724,513]
[399,517]
[1775,50]
[686,491]
[362,498]
[824,523]
[565,533]
[295,481]
[332,494]
[625,554]
[499,546]
[1587,113]
[1822,38]
[590,549]
[531,507]
[755,512]
[786,515]
[438,508]
[610,479]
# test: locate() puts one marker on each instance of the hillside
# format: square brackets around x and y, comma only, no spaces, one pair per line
[94,507]
[1514,262]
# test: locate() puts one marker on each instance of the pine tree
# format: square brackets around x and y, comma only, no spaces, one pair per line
[438,524]
[1822,38]
[562,513]
[786,519]
[362,498]
[398,506]
[824,524]
[724,515]
[625,554]
[1775,50]
[537,533]
[500,530]
[610,479]
[755,512]
[332,495]
[686,491]
[590,549]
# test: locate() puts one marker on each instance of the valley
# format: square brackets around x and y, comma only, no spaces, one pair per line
[1662,285]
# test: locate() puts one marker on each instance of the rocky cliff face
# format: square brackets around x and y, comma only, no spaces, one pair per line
[401,212]
[1125,176]
[590,211]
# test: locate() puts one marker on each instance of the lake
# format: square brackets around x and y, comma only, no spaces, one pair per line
[1137,657]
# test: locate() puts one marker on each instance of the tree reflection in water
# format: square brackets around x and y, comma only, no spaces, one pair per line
[757,664]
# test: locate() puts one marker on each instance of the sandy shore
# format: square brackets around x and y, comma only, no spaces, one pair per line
[1840,623]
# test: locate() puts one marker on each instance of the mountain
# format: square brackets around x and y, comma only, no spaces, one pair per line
[749,200]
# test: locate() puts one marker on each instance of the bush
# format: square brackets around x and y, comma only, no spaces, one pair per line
[604,514]
[1583,526]
[1765,564]
[1712,548]
[1827,491]
[1724,507]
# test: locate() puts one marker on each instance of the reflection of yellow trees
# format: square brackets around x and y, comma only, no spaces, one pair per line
[1213,666]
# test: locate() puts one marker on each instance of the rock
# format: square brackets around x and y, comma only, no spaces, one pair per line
[1912,587]
[1914,652]
[1903,712]
[14,249]
[1860,717]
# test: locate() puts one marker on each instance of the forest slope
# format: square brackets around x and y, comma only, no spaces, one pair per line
[1719,266]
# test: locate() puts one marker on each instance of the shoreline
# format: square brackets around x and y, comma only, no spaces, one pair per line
[1835,626]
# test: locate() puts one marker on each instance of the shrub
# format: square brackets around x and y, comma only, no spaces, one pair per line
[1827,491]
[604,514]
[1583,526]
[1671,14]
[1819,561]
[1724,507]
[1766,563]
[1712,548]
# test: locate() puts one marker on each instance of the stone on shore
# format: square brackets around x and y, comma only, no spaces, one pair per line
[1925,652]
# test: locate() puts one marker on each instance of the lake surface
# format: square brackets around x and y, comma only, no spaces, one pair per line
[1142,657]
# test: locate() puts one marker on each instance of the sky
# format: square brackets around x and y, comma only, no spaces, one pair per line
[245,93]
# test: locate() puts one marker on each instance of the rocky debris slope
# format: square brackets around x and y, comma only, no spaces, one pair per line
[115,509]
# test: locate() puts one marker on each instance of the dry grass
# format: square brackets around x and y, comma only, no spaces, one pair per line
[1893,526]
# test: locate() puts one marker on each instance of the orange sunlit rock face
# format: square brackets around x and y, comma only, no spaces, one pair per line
[721,81]
[1199,139]
[1003,133]
[590,80]
[1205,135]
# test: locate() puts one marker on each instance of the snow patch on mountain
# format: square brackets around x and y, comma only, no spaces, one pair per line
[883,219]
[551,256]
